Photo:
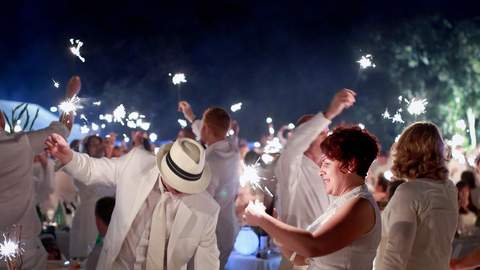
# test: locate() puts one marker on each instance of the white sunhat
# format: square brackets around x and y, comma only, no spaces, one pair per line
[183,167]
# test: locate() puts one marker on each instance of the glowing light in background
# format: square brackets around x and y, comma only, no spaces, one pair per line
[236,107]
[119,114]
[269,120]
[53,109]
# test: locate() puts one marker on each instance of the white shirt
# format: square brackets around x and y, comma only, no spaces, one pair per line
[134,249]
[223,158]
[17,192]
[298,177]
[418,226]
[360,253]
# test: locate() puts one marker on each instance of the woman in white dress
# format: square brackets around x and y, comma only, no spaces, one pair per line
[346,236]
[419,222]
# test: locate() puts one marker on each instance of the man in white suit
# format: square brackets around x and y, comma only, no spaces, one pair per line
[17,187]
[163,217]
[223,157]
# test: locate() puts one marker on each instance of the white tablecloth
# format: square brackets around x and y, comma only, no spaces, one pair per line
[237,261]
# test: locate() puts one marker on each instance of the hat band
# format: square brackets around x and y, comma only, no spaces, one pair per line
[179,172]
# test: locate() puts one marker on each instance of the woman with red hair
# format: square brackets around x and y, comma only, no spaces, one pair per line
[347,235]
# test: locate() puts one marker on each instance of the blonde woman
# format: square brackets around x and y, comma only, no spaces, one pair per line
[419,223]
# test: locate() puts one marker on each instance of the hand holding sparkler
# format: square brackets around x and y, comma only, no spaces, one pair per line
[235,127]
[345,98]
[254,213]
[185,108]
[73,88]
[59,148]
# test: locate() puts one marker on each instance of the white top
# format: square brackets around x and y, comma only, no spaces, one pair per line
[360,254]
[419,225]
[17,191]
[299,177]
[223,158]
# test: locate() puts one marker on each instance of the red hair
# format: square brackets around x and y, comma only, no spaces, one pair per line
[351,145]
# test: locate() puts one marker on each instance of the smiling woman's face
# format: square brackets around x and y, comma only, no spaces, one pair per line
[333,177]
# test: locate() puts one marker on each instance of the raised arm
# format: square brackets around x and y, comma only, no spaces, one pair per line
[63,127]
[85,169]
[185,108]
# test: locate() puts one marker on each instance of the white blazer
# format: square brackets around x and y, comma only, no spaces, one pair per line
[134,174]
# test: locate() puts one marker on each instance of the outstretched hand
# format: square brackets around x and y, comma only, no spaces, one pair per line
[345,98]
[254,213]
[59,148]
[185,108]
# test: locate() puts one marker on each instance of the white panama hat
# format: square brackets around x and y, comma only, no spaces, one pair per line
[183,167]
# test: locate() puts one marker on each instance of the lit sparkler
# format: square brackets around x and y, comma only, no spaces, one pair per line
[416,106]
[75,49]
[386,114]
[9,249]
[55,83]
[119,114]
[257,207]
[291,126]
[97,103]
[250,177]
[70,105]
[362,126]
[53,109]
[236,107]
[273,146]
[84,129]
[133,116]
[366,61]
[178,78]
[95,127]
[397,118]
[269,120]
[182,122]
[153,137]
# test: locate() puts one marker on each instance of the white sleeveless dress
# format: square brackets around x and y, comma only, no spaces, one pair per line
[360,254]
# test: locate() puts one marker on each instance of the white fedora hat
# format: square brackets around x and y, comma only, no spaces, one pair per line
[183,167]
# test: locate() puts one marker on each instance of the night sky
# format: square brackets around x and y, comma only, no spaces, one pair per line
[281,59]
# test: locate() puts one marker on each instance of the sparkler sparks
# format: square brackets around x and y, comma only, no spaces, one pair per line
[416,106]
[153,137]
[291,126]
[119,114]
[257,207]
[236,107]
[84,129]
[182,122]
[53,109]
[55,83]
[397,118]
[9,249]
[273,146]
[386,114]
[269,120]
[75,49]
[70,105]
[366,61]
[178,78]
[97,103]
[250,177]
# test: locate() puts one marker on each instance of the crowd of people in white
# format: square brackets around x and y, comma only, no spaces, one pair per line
[181,206]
